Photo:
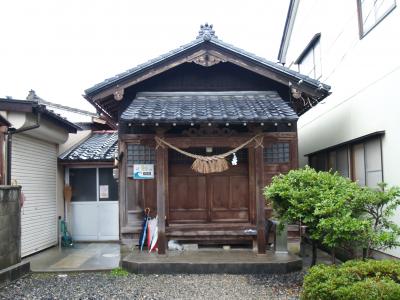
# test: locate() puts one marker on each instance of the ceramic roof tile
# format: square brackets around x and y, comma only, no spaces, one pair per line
[181,107]
[100,146]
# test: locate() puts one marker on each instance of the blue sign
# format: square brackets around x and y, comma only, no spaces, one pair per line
[143,171]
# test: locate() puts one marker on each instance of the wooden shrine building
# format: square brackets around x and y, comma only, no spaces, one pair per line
[204,98]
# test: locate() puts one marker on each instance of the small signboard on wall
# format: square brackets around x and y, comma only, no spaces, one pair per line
[104,191]
[143,171]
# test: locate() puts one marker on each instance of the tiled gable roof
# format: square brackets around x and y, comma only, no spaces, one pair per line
[206,35]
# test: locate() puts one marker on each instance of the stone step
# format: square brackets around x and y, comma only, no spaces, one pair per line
[210,262]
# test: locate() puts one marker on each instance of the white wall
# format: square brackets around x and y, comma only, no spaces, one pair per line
[364,75]
[73,140]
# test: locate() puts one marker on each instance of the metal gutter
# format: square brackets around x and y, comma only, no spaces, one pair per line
[10,132]
[287,31]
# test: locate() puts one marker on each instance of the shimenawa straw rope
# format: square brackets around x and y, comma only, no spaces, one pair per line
[209,164]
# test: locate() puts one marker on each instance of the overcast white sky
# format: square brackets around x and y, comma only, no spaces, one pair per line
[60,48]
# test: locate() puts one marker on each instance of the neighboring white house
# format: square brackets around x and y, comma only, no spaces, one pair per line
[41,132]
[85,162]
[354,47]
[32,144]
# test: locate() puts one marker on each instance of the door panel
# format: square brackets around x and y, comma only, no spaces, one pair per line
[108,227]
[229,198]
[94,214]
[149,195]
[187,199]
[220,197]
[199,198]
[239,192]
[84,221]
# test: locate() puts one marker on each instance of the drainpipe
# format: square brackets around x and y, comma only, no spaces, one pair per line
[10,133]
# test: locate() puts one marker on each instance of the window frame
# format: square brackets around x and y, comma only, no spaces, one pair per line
[310,49]
[277,153]
[349,146]
[365,151]
[97,168]
[361,31]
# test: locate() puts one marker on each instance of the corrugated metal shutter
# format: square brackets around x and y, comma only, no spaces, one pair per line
[34,166]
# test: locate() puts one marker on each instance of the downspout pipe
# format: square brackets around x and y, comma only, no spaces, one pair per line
[10,132]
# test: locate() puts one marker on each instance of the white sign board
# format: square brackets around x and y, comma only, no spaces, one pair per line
[143,171]
[104,191]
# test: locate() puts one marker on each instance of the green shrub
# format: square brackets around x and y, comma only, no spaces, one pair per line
[365,280]
[377,206]
[323,201]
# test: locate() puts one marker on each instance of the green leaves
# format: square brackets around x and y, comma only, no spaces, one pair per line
[320,200]
[336,210]
[369,279]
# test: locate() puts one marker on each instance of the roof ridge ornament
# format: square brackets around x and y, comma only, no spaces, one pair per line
[206,32]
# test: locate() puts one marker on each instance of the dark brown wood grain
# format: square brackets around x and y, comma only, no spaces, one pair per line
[209,208]
[161,166]
[260,202]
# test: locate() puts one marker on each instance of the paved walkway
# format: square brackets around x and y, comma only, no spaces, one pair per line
[81,257]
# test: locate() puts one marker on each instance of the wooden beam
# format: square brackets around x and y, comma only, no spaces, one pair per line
[86,163]
[161,175]
[259,198]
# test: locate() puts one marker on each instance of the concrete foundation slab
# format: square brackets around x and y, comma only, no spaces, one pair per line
[233,261]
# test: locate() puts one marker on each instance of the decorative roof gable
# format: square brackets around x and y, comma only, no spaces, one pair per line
[205,50]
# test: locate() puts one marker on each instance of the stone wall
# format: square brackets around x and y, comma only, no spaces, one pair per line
[10,226]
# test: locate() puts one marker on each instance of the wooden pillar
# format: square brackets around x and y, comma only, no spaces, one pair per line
[294,152]
[122,187]
[162,181]
[260,203]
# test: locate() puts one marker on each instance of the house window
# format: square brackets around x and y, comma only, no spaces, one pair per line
[140,154]
[336,160]
[277,153]
[309,61]
[108,186]
[360,161]
[92,184]
[367,163]
[371,12]
[83,183]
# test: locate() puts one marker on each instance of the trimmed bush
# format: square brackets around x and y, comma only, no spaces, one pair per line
[371,279]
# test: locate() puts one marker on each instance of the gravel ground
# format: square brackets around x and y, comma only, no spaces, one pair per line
[107,286]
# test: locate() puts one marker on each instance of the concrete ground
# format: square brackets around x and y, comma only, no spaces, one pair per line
[107,256]
[57,283]
[81,257]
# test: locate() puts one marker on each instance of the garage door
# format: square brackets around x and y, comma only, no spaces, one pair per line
[34,166]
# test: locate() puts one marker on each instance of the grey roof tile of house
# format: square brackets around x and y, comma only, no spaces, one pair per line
[206,35]
[100,146]
[183,107]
